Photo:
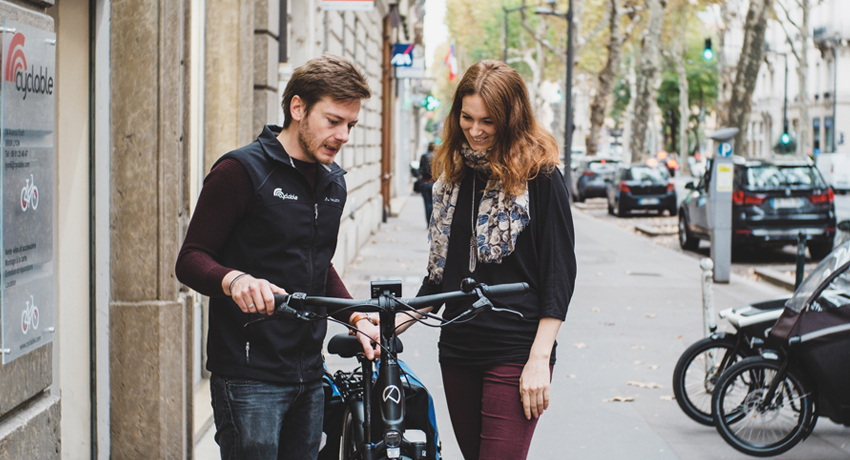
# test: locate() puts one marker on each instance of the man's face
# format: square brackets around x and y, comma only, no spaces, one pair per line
[326,127]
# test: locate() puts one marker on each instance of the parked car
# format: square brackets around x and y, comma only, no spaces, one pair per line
[590,176]
[641,186]
[835,168]
[772,201]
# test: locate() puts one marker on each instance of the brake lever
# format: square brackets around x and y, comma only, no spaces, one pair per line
[484,302]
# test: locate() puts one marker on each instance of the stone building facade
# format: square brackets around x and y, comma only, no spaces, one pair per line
[149,93]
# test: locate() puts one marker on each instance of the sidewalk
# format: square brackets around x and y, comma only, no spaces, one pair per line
[636,307]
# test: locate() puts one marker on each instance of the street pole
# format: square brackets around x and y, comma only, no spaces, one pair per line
[508,10]
[785,103]
[568,91]
[568,99]
[835,92]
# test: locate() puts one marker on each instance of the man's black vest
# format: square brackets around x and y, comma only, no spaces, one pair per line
[288,238]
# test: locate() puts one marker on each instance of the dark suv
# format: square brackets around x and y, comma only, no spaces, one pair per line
[772,201]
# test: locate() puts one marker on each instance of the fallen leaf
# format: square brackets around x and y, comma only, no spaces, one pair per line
[628,308]
[599,274]
[638,362]
[619,399]
[653,366]
[397,228]
[580,345]
[595,310]
[679,337]
[668,398]
[608,323]
[571,376]
[650,315]
[638,347]
[635,383]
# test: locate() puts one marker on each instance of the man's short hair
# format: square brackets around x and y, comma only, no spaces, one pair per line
[327,75]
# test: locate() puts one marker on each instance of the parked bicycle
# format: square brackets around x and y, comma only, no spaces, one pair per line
[702,364]
[765,405]
[359,437]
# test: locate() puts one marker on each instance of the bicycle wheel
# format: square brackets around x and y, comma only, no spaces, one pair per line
[697,372]
[347,442]
[756,426]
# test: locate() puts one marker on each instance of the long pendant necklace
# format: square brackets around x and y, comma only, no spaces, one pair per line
[473,248]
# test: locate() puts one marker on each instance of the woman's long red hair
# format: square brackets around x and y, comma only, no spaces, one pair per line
[522,148]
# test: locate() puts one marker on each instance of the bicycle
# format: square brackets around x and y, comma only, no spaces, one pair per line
[701,365]
[357,390]
[29,318]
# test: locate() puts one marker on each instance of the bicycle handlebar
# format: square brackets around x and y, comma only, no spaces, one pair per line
[282,302]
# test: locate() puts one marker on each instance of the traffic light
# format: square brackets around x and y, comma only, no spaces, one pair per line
[785,139]
[430,103]
[708,53]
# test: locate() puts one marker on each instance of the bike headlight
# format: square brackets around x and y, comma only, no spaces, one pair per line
[392,439]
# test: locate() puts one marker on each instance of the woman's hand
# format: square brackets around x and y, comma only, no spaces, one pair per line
[536,375]
[252,295]
[534,387]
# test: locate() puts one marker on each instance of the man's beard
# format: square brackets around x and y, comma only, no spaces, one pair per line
[305,139]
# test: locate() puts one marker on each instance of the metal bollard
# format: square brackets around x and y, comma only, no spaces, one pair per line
[801,259]
[709,326]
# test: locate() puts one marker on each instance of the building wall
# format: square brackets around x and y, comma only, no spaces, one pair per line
[30,408]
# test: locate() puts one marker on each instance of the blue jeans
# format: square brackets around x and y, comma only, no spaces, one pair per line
[259,420]
[428,197]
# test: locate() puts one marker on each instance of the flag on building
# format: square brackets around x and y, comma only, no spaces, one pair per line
[451,61]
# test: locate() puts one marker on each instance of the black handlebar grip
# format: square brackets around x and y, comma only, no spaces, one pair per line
[505,289]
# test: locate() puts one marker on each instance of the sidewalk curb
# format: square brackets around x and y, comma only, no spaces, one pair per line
[776,277]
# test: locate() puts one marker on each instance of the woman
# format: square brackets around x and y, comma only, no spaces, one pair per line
[501,215]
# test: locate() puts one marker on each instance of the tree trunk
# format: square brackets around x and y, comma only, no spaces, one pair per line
[727,15]
[684,105]
[645,90]
[752,53]
[802,78]
[607,77]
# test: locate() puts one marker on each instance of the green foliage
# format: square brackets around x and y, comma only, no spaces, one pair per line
[622,94]
[702,90]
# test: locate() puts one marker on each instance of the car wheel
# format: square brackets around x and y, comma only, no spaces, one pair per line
[820,249]
[622,211]
[687,241]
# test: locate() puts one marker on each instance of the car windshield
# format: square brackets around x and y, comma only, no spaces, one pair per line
[773,176]
[601,166]
[839,287]
[646,173]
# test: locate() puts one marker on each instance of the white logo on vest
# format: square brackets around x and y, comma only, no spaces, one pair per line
[284,196]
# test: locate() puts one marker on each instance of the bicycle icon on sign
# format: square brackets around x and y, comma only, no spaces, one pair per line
[29,195]
[30,316]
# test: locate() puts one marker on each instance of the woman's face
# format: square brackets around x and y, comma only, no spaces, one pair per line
[475,121]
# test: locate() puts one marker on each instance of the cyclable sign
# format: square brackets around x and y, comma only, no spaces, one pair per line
[28,227]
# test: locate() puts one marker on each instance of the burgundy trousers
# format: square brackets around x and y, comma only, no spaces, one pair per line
[486,411]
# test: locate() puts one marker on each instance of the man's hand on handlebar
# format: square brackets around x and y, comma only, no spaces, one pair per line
[369,335]
[252,295]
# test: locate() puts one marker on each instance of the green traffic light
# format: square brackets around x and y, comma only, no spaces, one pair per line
[785,139]
[708,53]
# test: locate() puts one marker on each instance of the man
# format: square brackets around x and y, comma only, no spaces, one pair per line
[426,184]
[266,223]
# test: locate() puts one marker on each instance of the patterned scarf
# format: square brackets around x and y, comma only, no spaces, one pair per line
[501,218]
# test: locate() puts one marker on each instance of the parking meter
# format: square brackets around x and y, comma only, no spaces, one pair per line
[720,202]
